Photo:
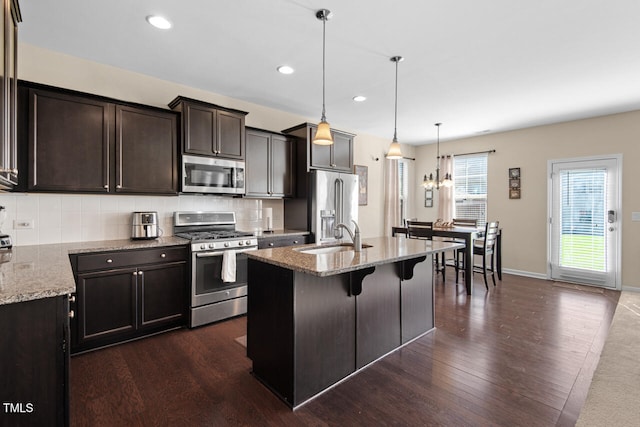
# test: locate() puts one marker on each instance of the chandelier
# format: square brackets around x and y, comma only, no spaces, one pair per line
[430,182]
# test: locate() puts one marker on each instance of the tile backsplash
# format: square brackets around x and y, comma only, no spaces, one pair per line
[63,218]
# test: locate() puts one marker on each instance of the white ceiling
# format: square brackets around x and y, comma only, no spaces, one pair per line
[476,66]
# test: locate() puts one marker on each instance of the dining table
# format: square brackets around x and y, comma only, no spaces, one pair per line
[468,235]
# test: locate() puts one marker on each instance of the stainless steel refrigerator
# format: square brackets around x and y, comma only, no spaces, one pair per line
[333,199]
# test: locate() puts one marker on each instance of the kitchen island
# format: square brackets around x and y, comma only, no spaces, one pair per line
[318,314]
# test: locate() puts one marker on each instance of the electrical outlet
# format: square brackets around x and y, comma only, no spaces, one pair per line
[22,224]
[635,216]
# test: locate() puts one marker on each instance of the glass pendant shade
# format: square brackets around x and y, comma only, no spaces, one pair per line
[323,134]
[394,152]
[428,182]
[447,181]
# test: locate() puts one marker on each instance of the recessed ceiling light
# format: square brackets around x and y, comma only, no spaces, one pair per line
[359,98]
[285,69]
[159,22]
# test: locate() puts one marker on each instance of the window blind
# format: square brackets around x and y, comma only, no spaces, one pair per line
[582,218]
[470,183]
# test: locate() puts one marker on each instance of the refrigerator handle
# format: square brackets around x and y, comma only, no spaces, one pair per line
[338,194]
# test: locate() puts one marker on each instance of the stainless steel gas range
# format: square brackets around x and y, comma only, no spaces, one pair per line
[216,247]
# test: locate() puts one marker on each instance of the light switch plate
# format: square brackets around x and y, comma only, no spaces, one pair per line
[635,216]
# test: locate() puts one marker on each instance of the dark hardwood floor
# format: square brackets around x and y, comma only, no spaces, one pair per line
[521,354]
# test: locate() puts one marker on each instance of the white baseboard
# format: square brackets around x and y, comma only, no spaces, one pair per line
[525,273]
[544,277]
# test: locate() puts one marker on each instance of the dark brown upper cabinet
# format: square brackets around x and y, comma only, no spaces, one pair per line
[210,130]
[336,157]
[146,151]
[269,165]
[82,143]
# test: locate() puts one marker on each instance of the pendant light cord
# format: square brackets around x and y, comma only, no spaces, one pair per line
[395,118]
[438,156]
[438,145]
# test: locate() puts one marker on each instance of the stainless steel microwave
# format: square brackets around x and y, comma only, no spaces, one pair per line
[212,175]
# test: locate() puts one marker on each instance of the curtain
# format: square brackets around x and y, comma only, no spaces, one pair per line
[446,196]
[391,196]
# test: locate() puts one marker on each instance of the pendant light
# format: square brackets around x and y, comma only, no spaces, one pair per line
[394,152]
[430,182]
[323,133]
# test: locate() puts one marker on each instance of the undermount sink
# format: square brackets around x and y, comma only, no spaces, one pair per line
[330,249]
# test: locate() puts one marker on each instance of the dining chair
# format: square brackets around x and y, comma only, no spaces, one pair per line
[424,230]
[457,222]
[420,229]
[485,248]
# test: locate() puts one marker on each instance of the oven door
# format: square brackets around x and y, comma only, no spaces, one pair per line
[212,175]
[207,286]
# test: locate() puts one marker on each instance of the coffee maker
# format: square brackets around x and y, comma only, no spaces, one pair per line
[5,239]
[144,225]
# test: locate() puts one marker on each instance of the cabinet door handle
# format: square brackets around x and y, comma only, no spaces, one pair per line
[140,273]
[295,242]
[118,186]
[72,314]
[106,186]
[271,244]
[135,273]
[163,255]
[72,298]
[109,260]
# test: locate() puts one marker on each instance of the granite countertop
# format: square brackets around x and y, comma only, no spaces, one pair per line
[383,250]
[43,271]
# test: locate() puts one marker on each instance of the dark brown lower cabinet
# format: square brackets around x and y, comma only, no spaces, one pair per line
[119,304]
[378,315]
[34,363]
[414,297]
[306,333]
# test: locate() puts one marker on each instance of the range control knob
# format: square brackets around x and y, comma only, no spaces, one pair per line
[211,246]
[203,246]
[226,245]
[248,242]
[240,243]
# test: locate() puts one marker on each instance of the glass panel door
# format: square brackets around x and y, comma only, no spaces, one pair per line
[584,232]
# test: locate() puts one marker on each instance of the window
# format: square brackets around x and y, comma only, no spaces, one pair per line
[403,189]
[470,179]
[582,218]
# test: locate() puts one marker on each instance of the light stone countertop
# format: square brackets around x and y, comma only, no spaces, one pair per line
[383,250]
[43,271]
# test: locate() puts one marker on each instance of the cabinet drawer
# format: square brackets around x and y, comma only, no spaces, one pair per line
[281,241]
[134,257]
